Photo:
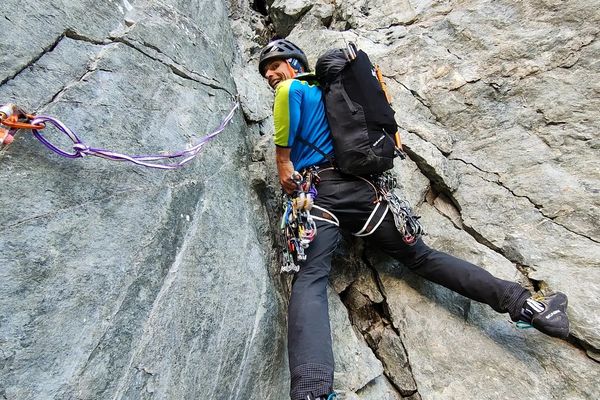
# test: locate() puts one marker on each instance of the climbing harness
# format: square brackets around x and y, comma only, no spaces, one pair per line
[407,222]
[14,118]
[298,226]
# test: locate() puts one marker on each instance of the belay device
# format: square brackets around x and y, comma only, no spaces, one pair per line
[364,131]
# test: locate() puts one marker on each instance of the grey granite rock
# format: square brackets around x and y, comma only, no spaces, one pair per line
[286,13]
[254,93]
[395,362]
[497,102]
[355,363]
[554,254]
[379,389]
[456,346]
[123,282]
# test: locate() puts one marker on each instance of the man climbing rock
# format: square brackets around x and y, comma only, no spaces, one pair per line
[304,148]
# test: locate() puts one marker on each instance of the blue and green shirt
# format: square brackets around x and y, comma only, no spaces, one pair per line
[299,111]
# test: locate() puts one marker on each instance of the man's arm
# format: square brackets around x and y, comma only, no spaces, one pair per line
[285,168]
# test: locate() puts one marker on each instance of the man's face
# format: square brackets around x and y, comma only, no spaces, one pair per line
[278,71]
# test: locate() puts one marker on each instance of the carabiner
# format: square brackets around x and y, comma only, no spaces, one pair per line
[15,118]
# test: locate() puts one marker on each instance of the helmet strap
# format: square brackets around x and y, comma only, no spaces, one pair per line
[291,70]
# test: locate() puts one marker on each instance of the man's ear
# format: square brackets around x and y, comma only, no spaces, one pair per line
[291,70]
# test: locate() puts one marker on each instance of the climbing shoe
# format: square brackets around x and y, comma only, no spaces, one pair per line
[331,396]
[547,314]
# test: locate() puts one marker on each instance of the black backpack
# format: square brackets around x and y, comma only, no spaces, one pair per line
[365,133]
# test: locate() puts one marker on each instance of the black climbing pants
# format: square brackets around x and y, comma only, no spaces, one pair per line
[350,199]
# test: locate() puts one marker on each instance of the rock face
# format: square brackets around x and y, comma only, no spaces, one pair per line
[496,101]
[128,283]
[119,281]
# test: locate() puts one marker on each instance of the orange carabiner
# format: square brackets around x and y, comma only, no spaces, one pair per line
[13,122]
[15,118]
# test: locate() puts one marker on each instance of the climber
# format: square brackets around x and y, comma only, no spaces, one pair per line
[346,202]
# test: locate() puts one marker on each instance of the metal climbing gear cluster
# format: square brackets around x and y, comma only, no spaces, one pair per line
[407,222]
[14,118]
[297,224]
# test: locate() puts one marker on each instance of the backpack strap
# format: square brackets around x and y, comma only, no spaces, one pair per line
[315,148]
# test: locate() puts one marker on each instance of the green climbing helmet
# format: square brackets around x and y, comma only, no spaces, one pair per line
[281,49]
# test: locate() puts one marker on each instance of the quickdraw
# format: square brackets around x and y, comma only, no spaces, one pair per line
[407,222]
[14,118]
[297,224]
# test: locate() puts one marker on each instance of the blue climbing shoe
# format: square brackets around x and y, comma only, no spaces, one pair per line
[331,396]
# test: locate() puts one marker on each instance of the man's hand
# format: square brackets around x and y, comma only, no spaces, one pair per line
[285,168]
[289,186]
